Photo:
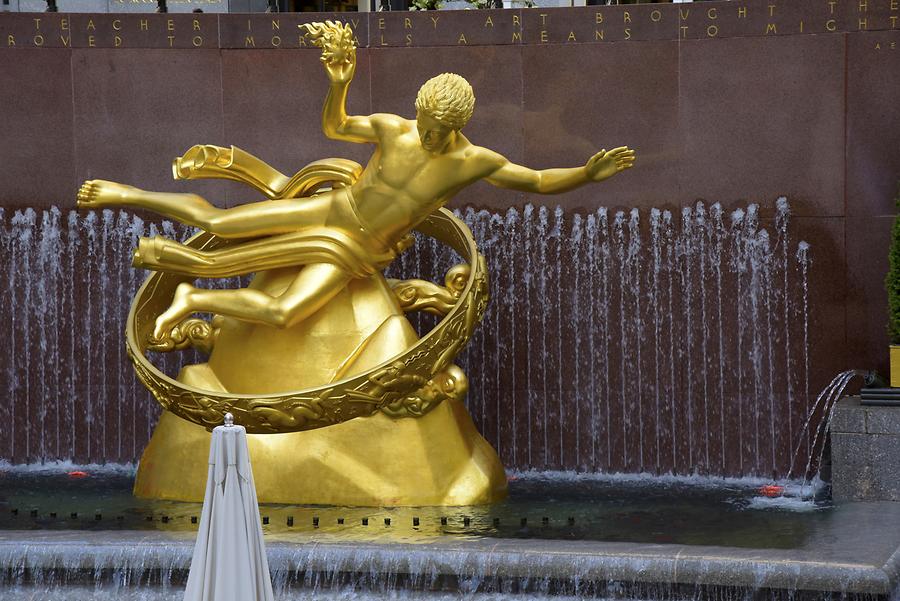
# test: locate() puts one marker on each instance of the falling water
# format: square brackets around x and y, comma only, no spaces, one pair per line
[656,258]
[670,265]
[675,358]
[155,569]
[737,265]
[700,217]
[68,390]
[803,259]
[817,423]
[781,225]
[605,258]
[619,229]
[616,341]
[634,273]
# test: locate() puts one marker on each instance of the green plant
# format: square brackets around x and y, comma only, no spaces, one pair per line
[425,4]
[892,281]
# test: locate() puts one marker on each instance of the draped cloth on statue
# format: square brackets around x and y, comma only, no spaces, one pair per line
[332,232]
[311,245]
[229,562]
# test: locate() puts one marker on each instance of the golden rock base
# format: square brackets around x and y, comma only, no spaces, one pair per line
[438,459]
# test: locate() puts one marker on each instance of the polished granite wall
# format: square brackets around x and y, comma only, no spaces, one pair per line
[729,102]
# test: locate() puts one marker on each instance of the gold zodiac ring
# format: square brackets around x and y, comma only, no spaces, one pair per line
[407,385]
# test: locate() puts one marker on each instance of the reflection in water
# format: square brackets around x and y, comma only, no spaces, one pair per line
[542,505]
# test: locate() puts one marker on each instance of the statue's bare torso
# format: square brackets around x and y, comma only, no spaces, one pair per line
[403,183]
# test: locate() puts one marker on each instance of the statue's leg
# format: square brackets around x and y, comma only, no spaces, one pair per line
[310,290]
[253,219]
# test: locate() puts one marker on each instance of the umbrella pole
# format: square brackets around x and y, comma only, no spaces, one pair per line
[229,561]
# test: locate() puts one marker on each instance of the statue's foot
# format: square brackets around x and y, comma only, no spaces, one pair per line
[97,193]
[194,332]
[171,317]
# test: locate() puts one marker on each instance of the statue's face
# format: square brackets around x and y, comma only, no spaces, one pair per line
[433,136]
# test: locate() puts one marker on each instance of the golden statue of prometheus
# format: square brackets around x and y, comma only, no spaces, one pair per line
[318,338]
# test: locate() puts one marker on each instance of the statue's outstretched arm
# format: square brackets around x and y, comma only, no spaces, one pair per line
[339,59]
[599,167]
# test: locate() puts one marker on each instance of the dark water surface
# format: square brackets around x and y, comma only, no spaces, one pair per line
[563,507]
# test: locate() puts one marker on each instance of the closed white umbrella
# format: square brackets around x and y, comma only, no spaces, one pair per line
[229,562]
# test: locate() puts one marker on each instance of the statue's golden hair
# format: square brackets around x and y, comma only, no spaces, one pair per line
[448,98]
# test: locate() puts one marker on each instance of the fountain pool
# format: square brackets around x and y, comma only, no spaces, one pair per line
[551,506]
[65,534]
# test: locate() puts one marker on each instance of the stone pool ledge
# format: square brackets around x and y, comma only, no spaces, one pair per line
[857,550]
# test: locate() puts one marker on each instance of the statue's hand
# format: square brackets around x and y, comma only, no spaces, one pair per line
[338,48]
[605,164]
[340,71]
